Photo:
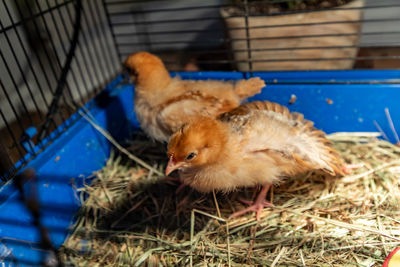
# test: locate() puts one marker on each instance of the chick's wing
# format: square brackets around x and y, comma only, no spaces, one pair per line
[265,127]
[189,106]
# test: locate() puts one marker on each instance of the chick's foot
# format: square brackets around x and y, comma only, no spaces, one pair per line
[256,206]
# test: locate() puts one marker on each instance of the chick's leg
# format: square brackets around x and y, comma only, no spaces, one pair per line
[171,179]
[347,168]
[258,205]
[176,180]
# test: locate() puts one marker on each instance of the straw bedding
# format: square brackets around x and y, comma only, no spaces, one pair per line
[131,217]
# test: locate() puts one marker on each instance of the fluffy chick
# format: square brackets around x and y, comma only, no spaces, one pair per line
[257,143]
[163,104]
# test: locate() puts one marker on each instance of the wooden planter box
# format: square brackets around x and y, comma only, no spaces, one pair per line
[275,40]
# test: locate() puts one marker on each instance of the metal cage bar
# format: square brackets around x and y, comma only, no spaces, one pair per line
[36,38]
[165,31]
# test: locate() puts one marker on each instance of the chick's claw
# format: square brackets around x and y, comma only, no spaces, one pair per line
[171,179]
[180,188]
[258,206]
[347,168]
[246,202]
[175,180]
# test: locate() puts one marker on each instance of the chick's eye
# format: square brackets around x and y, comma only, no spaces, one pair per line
[127,69]
[190,156]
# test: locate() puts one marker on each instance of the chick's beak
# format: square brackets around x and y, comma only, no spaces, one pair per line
[172,165]
[128,72]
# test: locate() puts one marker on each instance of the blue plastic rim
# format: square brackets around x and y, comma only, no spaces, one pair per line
[334,100]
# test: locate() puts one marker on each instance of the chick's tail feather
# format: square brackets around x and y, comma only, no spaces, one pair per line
[250,87]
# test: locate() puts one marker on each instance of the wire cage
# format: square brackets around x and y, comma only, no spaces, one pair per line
[57,56]
[40,36]
[259,35]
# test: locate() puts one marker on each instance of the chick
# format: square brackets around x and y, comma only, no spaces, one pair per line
[257,143]
[163,104]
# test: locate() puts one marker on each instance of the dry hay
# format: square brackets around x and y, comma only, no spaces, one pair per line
[129,217]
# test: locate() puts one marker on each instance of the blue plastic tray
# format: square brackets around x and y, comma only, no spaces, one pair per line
[358,98]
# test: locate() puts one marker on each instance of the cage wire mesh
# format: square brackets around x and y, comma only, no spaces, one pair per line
[37,41]
[260,35]
[234,35]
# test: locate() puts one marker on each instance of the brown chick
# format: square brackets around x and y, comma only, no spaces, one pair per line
[163,104]
[257,143]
